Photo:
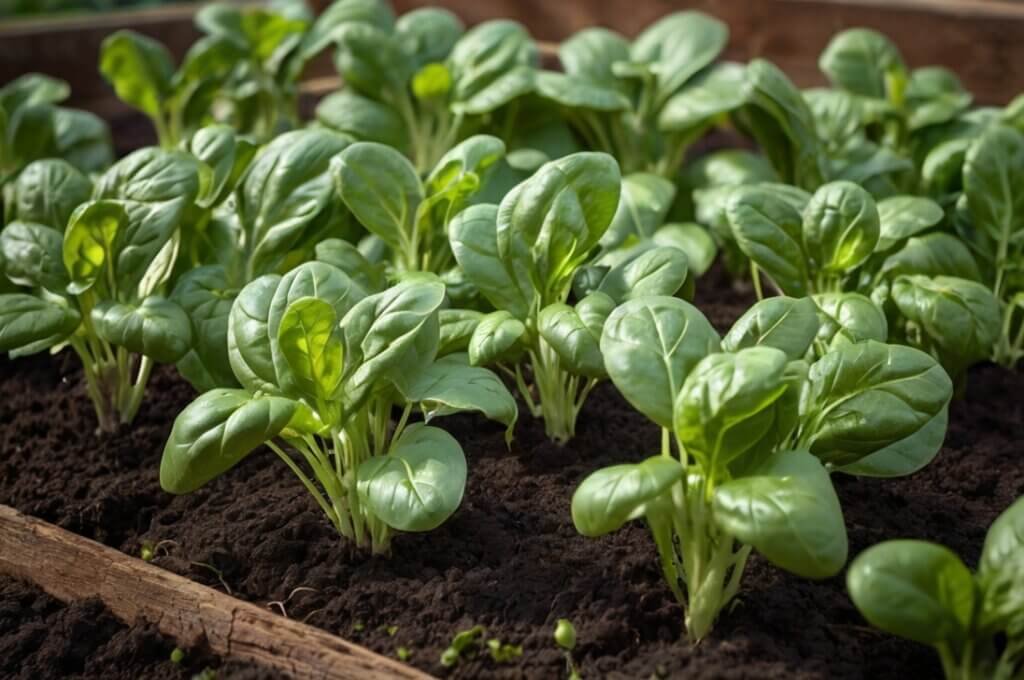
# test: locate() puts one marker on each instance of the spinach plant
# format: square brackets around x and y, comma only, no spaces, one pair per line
[990,218]
[647,101]
[411,217]
[419,83]
[263,216]
[924,592]
[96,284]
[33,127]
[840,240]
[321,366]
[524,255]
[243,71]
[750,432]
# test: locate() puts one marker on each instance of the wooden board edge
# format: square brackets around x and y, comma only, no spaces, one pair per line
[70,567]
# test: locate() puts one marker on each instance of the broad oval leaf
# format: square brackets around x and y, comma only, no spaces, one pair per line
[654,271]
[283,191]
[215,432]
[678,46]
[914,589]
[48,191]
[418,484]
[140,69]
[495,337]
[575,333]
[363,118]
[788,511]
[866,396]
[905,456]
[249,336]
[206,298]
[901,217]
[650,345]
[380,330]
[156,188]
[558,216]
[845,318]
[29,324]
[1000,574]
[864,62]
[309,339]
[959,319]
[33,256]
[721,89]
[725,407]
[614,495]
[88,248]
[457,327]
[692,239]
[451,385]
[787,324]
[429,33]
[935,254]
[156,327]
[841,227]
[993,166]
[381,188]
[768,229]
[504,281]
[227,154]
[644,202]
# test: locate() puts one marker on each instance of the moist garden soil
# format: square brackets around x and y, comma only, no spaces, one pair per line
[41,637]
[509,559]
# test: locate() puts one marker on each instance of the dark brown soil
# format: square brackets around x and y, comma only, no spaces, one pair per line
[509,559]
[41,638]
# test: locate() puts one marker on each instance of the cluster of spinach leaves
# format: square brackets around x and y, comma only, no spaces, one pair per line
[924,592]
[322,363]
[759,420]
[92,261]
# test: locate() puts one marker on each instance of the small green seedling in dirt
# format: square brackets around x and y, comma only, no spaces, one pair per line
[464,642]
[177,655]
[565,637]
[757,430]
[503,653]
[324,366]
[358,627]
[205,674]
[391,630]
[524,255]
[924,592]
[403,653]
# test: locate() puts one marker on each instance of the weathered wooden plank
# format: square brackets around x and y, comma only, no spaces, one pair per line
[70,567]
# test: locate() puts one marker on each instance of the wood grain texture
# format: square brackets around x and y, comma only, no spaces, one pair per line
[70,567]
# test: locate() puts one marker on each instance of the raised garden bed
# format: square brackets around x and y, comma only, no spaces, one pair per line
[755,333]
[509,559]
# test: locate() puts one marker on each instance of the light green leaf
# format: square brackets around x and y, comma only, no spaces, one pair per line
[864,62]
[418,484]
[725,408]
[841,227]
[140,69]
[612,496]
[495,336]
[381,188]
[309,339]
[215,432]
[89,242]
[692,239]
[787,324]
[865,396]
[29,324]
[917,590]
[789,512]
[156,328]
[650,345]
[33,256]
[451,385]
[47,192]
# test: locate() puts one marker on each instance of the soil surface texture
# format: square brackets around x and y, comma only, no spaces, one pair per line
[43,638]
[508,560]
